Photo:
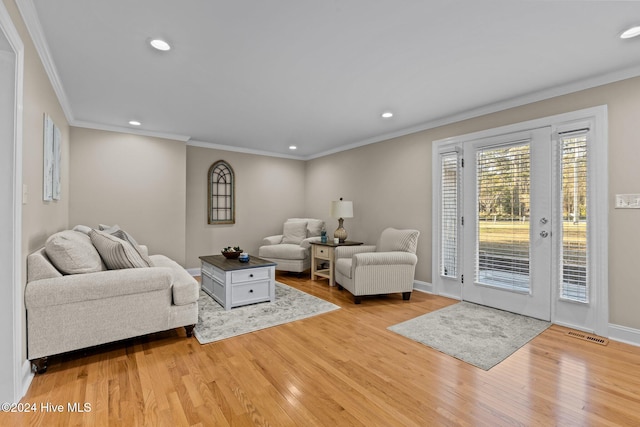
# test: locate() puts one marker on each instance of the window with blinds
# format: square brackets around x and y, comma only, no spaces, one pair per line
[503,216]
[574,283]
[449,215]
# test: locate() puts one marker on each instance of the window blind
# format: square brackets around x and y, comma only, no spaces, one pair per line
[574,284]
[503,216]
[449,215]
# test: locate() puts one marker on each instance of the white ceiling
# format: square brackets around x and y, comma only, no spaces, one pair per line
[259,76]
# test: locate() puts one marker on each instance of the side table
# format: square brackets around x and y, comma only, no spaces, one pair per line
[326,252]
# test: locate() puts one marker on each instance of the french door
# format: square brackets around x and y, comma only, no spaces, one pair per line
[520,219]
[508,223]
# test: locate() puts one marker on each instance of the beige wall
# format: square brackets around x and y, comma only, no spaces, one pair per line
[39,218]
[137,182]
[390,183]
[268,191]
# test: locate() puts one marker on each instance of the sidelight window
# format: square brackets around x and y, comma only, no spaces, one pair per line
[449,215]
[574,284]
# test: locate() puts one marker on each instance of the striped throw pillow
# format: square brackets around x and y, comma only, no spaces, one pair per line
[117,253]
[392,240]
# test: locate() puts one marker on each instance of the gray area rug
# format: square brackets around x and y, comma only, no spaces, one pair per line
[479,335]
[214,323]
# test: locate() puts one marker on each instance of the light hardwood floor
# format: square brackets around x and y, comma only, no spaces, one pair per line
[342,368]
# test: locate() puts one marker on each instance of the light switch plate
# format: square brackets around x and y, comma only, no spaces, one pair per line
[627,201]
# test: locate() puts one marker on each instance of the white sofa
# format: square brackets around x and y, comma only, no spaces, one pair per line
[291,249]
[74,300]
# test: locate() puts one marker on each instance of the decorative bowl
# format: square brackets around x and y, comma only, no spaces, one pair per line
[231,254]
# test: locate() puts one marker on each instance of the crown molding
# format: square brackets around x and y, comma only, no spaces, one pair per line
[32,22]
[223,147]
[119,129]
[529,98]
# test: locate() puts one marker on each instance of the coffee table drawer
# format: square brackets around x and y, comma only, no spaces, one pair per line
[250,292]
[251,275]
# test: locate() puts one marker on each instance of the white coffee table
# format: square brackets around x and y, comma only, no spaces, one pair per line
[233,283]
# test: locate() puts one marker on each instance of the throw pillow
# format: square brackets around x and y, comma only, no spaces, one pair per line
[115,230]
[83,229]
[314,227]
[71,252]
[118,253]
[294,232]
[392,240]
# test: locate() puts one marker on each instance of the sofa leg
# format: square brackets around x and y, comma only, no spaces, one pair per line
[357,299]
[39,365]
[406,296]
[189,330]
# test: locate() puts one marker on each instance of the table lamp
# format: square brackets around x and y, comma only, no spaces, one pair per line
[341,209]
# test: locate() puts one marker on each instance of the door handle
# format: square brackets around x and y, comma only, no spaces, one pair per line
[543,234]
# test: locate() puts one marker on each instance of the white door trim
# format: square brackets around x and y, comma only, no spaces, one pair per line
[21,379]
[599,202]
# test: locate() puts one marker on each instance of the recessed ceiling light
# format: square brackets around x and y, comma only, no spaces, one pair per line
[134,123]
[631,32]
[160,44]
[293,147]
[387,115]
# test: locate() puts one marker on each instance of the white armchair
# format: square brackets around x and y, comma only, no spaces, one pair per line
[386,268]
[290,250]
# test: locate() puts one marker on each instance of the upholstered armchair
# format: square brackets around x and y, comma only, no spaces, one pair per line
[385,268]
[291,249]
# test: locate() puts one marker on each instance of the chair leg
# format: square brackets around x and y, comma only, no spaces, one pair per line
[406,296]
[39,365]
[189,330]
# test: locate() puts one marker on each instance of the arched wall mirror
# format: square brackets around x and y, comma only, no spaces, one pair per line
[221,205]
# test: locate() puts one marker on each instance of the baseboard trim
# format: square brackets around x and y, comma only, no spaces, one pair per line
[421,286]
[624,334]
[27,377]
[195,272]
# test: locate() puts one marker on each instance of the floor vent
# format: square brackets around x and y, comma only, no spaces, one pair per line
[588,337]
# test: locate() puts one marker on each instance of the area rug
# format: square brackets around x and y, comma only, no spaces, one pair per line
[479,335]
[214,323]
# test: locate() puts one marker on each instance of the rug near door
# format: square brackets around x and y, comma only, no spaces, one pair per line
[479,335]
[214,323]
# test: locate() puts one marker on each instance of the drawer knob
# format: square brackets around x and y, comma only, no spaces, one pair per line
[251,275]
[250,291]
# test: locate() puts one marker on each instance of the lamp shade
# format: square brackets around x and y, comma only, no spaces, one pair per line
[342,209]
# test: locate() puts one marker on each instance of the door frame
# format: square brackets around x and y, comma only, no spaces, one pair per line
[598,209]
[21,373]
